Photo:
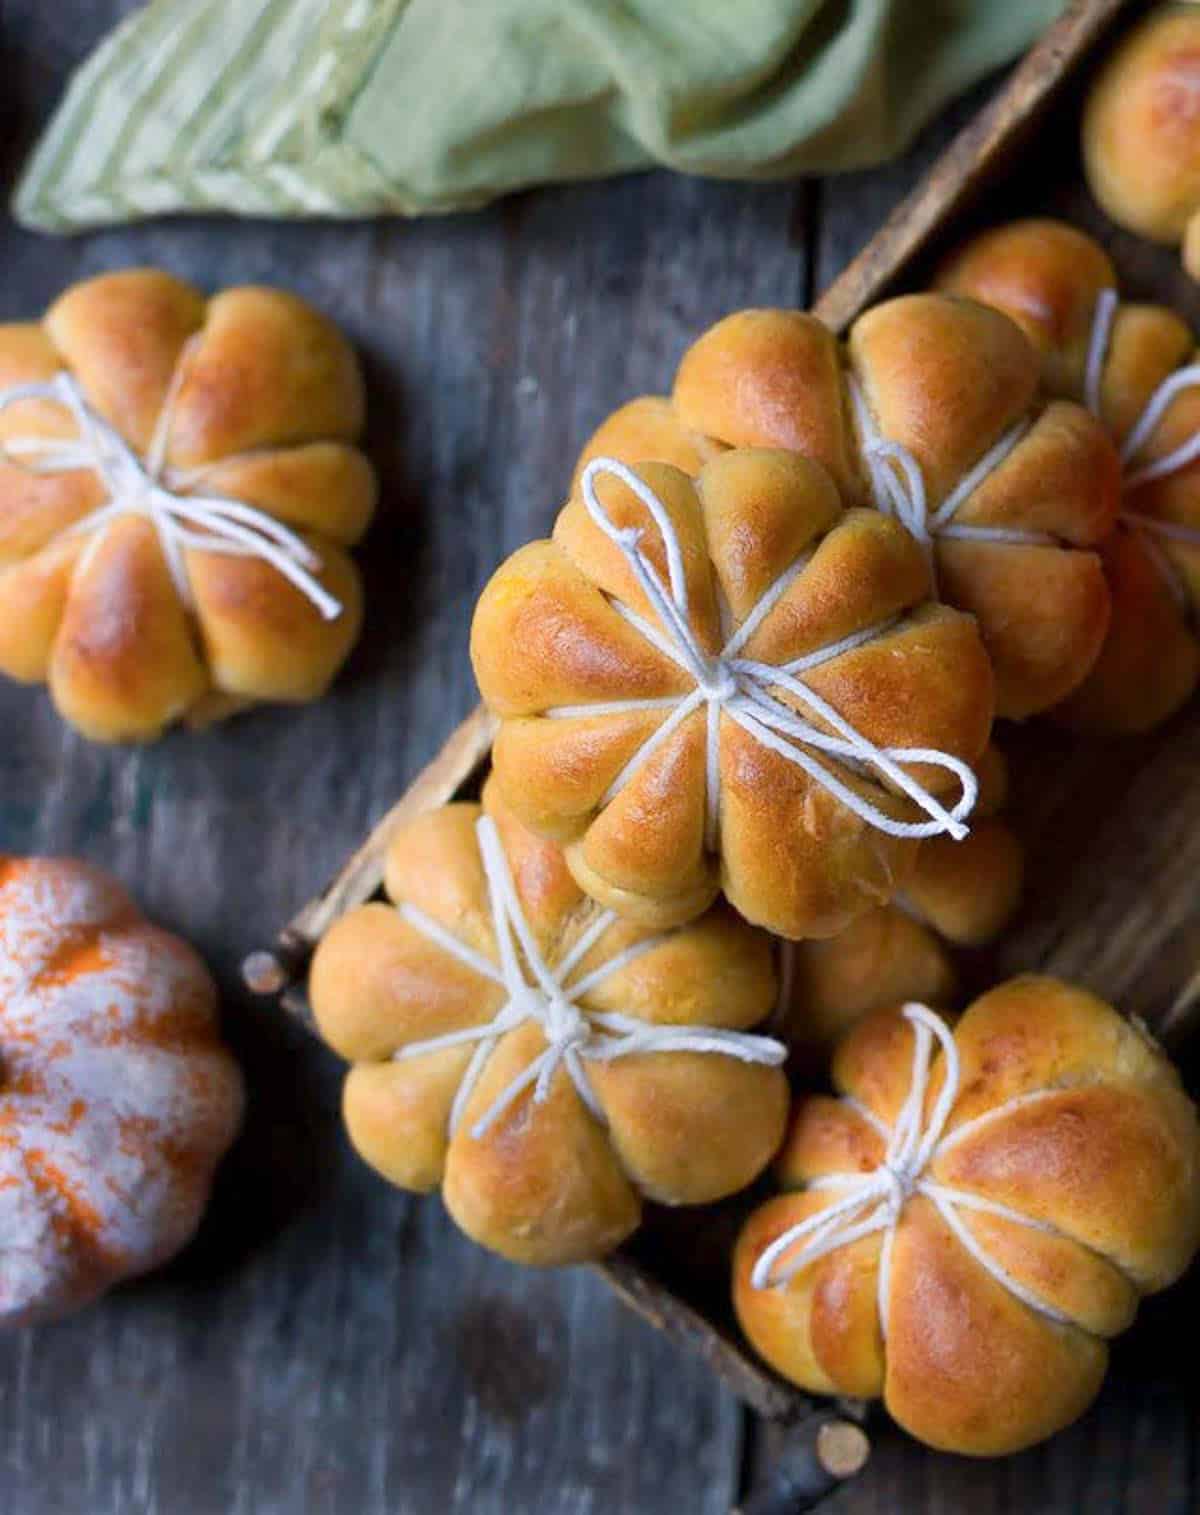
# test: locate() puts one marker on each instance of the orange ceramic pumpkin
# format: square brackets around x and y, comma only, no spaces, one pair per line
[117,1100]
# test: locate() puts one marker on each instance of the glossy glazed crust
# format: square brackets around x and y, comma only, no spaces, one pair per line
[1066,1114]
[968,891]
[119,1098]
[885,957]
[1044,275]
[269,404]
[1047,276]
[1149,666]
[547,1183]
[1141,150]
[945,378]
[960,893]
[791,856]
[646,430]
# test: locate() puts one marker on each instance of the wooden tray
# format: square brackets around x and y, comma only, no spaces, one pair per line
[1112,833]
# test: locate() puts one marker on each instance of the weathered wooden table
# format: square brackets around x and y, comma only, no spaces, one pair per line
[329,1346]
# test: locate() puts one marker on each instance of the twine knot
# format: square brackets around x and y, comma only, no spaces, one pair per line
[563,1023]
[901,1182]
[551,997]
[747,692]
[182,518]
[717,682]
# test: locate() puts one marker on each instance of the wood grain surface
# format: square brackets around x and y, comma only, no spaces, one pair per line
[329,1345]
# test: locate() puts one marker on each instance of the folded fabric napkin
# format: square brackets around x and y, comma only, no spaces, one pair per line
[355,107]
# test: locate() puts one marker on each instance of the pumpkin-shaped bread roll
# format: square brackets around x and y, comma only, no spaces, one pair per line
[1135,367]
[730,683]
[1141,150]
[929,412]
[178,487]
[960,894]
[975,1214]
[547,1064]
[119,1098]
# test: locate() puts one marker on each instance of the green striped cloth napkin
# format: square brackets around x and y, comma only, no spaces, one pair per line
[356,107]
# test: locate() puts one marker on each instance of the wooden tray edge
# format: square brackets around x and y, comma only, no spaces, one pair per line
[959,170]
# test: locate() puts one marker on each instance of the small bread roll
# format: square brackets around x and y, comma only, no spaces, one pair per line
[136,617]
[1008,1221]
[545,1150]
[605,743]
[1141,144]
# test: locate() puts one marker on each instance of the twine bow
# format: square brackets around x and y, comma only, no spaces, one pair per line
[181,519]
[574,1036]
[741,688]
[874,1201]
[898,487]
[1188,377]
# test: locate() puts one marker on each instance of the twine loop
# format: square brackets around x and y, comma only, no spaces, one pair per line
[183,519]
[551,999]
[743,689]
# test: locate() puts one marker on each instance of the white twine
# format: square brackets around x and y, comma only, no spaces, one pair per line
[874,1201]
[898,487]
[573,1035]
[1139,434]
[181,519]
[741,688]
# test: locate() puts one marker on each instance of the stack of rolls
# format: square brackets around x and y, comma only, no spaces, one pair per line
[754,376]
[743,782]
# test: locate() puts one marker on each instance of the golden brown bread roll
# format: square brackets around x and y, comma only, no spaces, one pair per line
[176,498]
[929,413]
[975,1215]
[549,1065]
[1141,131]
[675,762]
[1135,367]
[960,894]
